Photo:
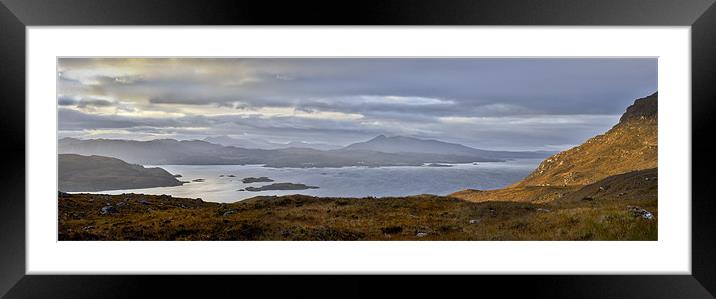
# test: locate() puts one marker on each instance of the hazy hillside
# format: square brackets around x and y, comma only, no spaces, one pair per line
[161,151]
[402,144]
[316,146]
[395,151]
[243,142]
[255,143]
[78,173]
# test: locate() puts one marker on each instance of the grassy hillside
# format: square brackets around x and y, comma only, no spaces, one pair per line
[626,147]
[631,145]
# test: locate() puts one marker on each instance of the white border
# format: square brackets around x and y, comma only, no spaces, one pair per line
[670,254]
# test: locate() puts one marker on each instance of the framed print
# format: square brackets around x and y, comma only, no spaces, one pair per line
[491,138]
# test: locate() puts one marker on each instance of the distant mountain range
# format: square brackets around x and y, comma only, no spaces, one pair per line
[255,143]
[379,151]
[96,173]
[402,144]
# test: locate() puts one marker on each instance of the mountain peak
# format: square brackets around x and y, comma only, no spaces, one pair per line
[646,107]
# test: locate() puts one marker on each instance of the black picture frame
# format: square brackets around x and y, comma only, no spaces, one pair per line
[16,15]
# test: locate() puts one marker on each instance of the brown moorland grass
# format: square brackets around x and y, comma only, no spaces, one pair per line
[296,217]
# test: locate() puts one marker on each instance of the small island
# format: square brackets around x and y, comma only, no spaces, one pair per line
[438,165]
[198,180]
[256,180]
[281,186]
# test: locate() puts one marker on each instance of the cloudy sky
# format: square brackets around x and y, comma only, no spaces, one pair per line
[486,103]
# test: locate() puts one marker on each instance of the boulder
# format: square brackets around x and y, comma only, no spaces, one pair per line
[391,230]
[640,212]
[108,210]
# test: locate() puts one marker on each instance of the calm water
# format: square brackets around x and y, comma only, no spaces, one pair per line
[343,182]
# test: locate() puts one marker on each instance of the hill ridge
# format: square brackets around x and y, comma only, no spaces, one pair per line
[80,173]
[630,145]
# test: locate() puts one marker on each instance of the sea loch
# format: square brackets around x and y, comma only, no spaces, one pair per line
[219,186]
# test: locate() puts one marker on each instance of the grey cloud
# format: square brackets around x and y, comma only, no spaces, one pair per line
[94,103]
[83,102]
[75,120]
[427,88]
[529,82]
[66,101]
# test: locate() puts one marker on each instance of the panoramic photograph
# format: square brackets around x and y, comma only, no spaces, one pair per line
[351,149]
